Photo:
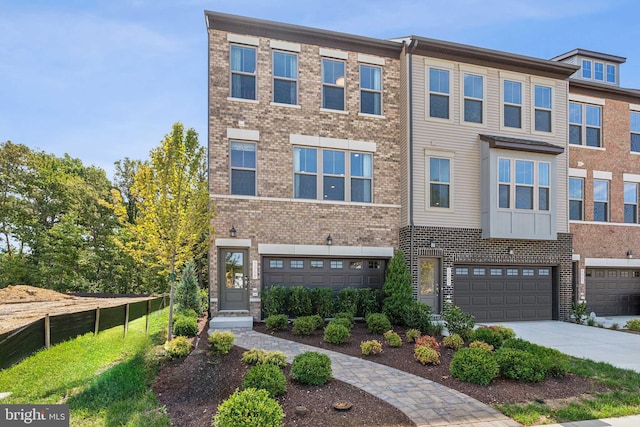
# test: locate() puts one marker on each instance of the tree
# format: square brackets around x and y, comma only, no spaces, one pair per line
[187,297]
[397,289]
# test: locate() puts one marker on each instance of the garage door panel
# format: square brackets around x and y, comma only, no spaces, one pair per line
[480,286]
[496,286]
[496,300]
[529,299]
[512,299]
[611,292]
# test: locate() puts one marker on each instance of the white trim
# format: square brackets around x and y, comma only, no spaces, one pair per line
[286,200]
[575,257]
[279,104]
[244,134]
[325,250]
[250,101]
[238,38]
[280,45]
[611,262]
[252,299]
[337,54]
[373,116]
[634,107]
[580,173]
[233,243]
[330,110]
[586,99]
[617,224]
[588,147]
[630,177]
[371,59]
[343,144]
[438,63]
[602,175]
[443,154]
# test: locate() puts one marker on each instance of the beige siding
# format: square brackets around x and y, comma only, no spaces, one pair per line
[403,141]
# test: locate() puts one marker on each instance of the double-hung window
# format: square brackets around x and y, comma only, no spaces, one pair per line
[285,78]
[542,108]
[439,182]
[305,168]
[512,104]
[576,199]
[543,186]
[333,83]
[611,73]
[635,131]
[524,184]
[600,200]
[333,175]
[473,98]
[243,72]
[598,71]
[504,183]
[585,124]
[370,90]
[586,69]
[361,177]
[439,93]
[631,202]
[243,168]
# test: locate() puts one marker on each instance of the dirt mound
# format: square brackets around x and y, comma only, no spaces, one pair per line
[24,293]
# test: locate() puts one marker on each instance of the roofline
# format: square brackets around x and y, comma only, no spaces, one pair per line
[592,54]
[616,90]
[431,46]
[519,144]
[302,34]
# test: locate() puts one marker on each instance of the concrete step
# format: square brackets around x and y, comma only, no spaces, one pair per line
[243,323]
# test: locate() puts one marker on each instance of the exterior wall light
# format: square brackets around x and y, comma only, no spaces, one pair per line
[433,244]
[629,254]
[510,250]
[329,240]
[232,232]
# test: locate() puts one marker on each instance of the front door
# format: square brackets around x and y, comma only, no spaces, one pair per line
[234,279]
[429,282]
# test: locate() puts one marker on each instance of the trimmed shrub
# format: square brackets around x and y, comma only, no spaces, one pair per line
[378,323]
[393,339]
[311,368]
[186,327]
[344,322]
[481,345]
[304,325]
[397,289]
[425,355]
[345,315]
[457,321]
[178,347]
[187,291]
[203,296]
[221,341]
[318,320]
[277,322]
[488,335]
[188,313]
[258,356]
[267,377]
[335,333]
[323,302]
[633,325]
[554,363]
[474,365]
[299,301]
[248,408]
[519,365]
[418,316]
[427,341]
[274,300]
[454,342]
[507,333]
[371,347]
[412,334]
[276,358]
[348,300]
[368,301]
[253,356]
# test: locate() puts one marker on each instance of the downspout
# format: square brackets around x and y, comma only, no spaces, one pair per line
[412,47]
[206,20]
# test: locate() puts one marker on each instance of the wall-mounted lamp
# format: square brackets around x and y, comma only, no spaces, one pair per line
[510,250]
[232,232]
[329,240]
[433,244]
[629,254]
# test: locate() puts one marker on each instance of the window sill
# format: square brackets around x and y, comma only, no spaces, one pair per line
[279,104]
[376,116]
[432,209]
[588,147]
[473,124]
[438,120]
[637,153]
[542,133]
[250,101]
[510,129]
[329,110]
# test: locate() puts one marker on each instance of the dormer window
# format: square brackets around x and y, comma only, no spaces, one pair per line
[611,73]
[598,71]
[586,69]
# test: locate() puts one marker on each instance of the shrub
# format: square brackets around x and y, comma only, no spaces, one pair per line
[368,301]
[457,321]
[276,358]
[178,347]
[317,320]
[578,312]
[345,315]
[186,327]
[633,324]
[187,291]
[274,299]
[424,355]
[348,300]
[397,289]
[488,335]
[519,365]
[188,313]
[266,377]
[427,341]
[277,322]
[335,333]
[554,363]
[322,302]
[311,368]
[506,333]
[203,296]
[299,301]
[253,356]
[412,334]
[393,339]
[418,316]
[614,326]
[481,345]
[454,342]
[378,323]
[221,341]
[474,365]
[591,321]
[371,347]
[248,408]
[344,322]
[304,325]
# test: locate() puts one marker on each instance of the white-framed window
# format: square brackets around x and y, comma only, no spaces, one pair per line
[512,271]
[512,104]
[496,272]
[439,93]
[285,77]
[276,263]
[333,84]
[544,186]
[473,98]
[544,271]
[370,89]
[361,177]
[504,183]
[439,173]
[598,71]
[600,200]
[634,128]
[611,73]
[462,271]
[296,264]
[316,264]
[528,272]
[586,69]
[243,168]
[305,169]
[585,124]
[478,271]
[243,71]
[333,173]
[524,184]
[336,264]
[631,202]
[576,199]
[543,108]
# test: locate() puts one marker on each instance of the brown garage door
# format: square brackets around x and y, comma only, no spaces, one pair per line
[504,293]
[613,292]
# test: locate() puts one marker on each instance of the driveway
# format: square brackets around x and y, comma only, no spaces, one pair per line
[620,349]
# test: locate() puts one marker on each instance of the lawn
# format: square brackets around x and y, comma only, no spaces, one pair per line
[104,379]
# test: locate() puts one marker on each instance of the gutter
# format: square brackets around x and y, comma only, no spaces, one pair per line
[412,46]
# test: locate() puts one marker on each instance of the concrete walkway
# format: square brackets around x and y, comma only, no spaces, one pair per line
[426,403]
[630,421]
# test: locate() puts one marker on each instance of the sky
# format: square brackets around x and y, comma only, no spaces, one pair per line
[104,80]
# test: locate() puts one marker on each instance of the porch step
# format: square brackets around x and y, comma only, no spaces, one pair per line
[244,323]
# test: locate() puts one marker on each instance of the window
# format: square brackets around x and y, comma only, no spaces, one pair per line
[473,96]
[588,130]
[305,167]
[524,184]
[528,272]
[243,72]
[462,271]
[333,175]
[333,81]
[543,186]
[635,132]
[374,265]
[512,104]
[504,183]
[542,108]
[355,265]
[316,264]
[611,73]
[576,198]
[243,168]
[361,177]
[532,187]
[544,272]
[275,263]
[496,272]
[630,202]
[598,71]
[600,200]
[439,182]
[438,93]
[586,69]
[478,272]
[512,271]
[336,264]
[285,78]
[370,89]
[297,264]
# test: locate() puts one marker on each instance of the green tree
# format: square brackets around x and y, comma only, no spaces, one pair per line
[397,289]
[187,296]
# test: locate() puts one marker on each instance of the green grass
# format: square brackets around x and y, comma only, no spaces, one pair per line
[625,400]
[105,379]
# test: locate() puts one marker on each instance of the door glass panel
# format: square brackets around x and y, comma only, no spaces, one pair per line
[234,265]
[427,276]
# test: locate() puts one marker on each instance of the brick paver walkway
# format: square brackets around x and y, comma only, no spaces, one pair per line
[425,402]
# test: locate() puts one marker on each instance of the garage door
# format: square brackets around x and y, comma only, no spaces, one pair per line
[613,292]
[504,293]
[324,272]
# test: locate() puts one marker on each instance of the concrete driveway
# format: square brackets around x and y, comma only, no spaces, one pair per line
[620,349]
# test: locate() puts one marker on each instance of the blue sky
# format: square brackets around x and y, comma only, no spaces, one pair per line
[104,80]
